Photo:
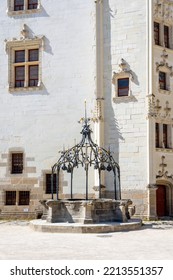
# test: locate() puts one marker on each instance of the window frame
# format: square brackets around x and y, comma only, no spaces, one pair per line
[166,36]
[24,198]
[121,88]
[163,136]
[18,5]
[157,135]
[17,163]
[26,65]
[10,198]
[24,45]
[17,198]
[26,10]
[157,33]
[164,68]
[162,34]
[162,81]
[118,76]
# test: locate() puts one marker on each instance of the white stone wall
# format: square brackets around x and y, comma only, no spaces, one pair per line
[41,122]
[125,118]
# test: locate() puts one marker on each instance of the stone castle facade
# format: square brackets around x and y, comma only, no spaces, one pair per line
[117,55]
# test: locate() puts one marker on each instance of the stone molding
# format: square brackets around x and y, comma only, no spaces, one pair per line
[163,173]
[163,65]
[98,110]
[163,9]
[154,110]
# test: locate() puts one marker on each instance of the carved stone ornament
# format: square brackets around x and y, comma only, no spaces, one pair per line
[157,107]
[97,114]
[163,173]
[152,186]
[152,107]
[163,9]
[98,1]
[163,65]
[123,69]
[25,38]
[167,109]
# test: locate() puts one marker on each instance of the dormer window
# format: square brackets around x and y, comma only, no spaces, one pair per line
[122,82]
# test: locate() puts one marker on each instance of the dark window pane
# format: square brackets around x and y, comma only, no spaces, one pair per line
[32,4]
[33,55]
[165,135]
[156,32]
[18,5]
[166,36]
[48,183]
[24,197]
[10,198]
[19,76]
[123,87]
[157,135]
[20,56]
[33,75]
[162,80]
[17,163]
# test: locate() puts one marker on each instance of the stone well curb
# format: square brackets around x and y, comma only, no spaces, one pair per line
[43,226]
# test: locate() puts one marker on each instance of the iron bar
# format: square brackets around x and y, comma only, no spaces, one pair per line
[115,183]
[86,169]
[52,183]
[99,183]
[57,184]
[71,191]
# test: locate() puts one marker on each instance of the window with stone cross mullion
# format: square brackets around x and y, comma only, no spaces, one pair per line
[26,72]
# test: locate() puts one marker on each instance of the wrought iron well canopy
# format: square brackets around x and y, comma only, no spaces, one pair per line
[86,154]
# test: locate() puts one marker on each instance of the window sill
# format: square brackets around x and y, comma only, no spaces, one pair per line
[166,150]
[164,91]
[119,99]
[23,12]
[21,89]
[161,47]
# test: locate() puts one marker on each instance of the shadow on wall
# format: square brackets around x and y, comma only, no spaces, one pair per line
[40,13]
[112,130]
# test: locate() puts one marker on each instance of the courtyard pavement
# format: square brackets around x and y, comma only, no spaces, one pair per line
[154,241]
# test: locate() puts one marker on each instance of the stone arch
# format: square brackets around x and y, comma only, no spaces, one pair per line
[164,197]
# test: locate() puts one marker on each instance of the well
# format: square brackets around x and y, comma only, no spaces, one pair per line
[84,211]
